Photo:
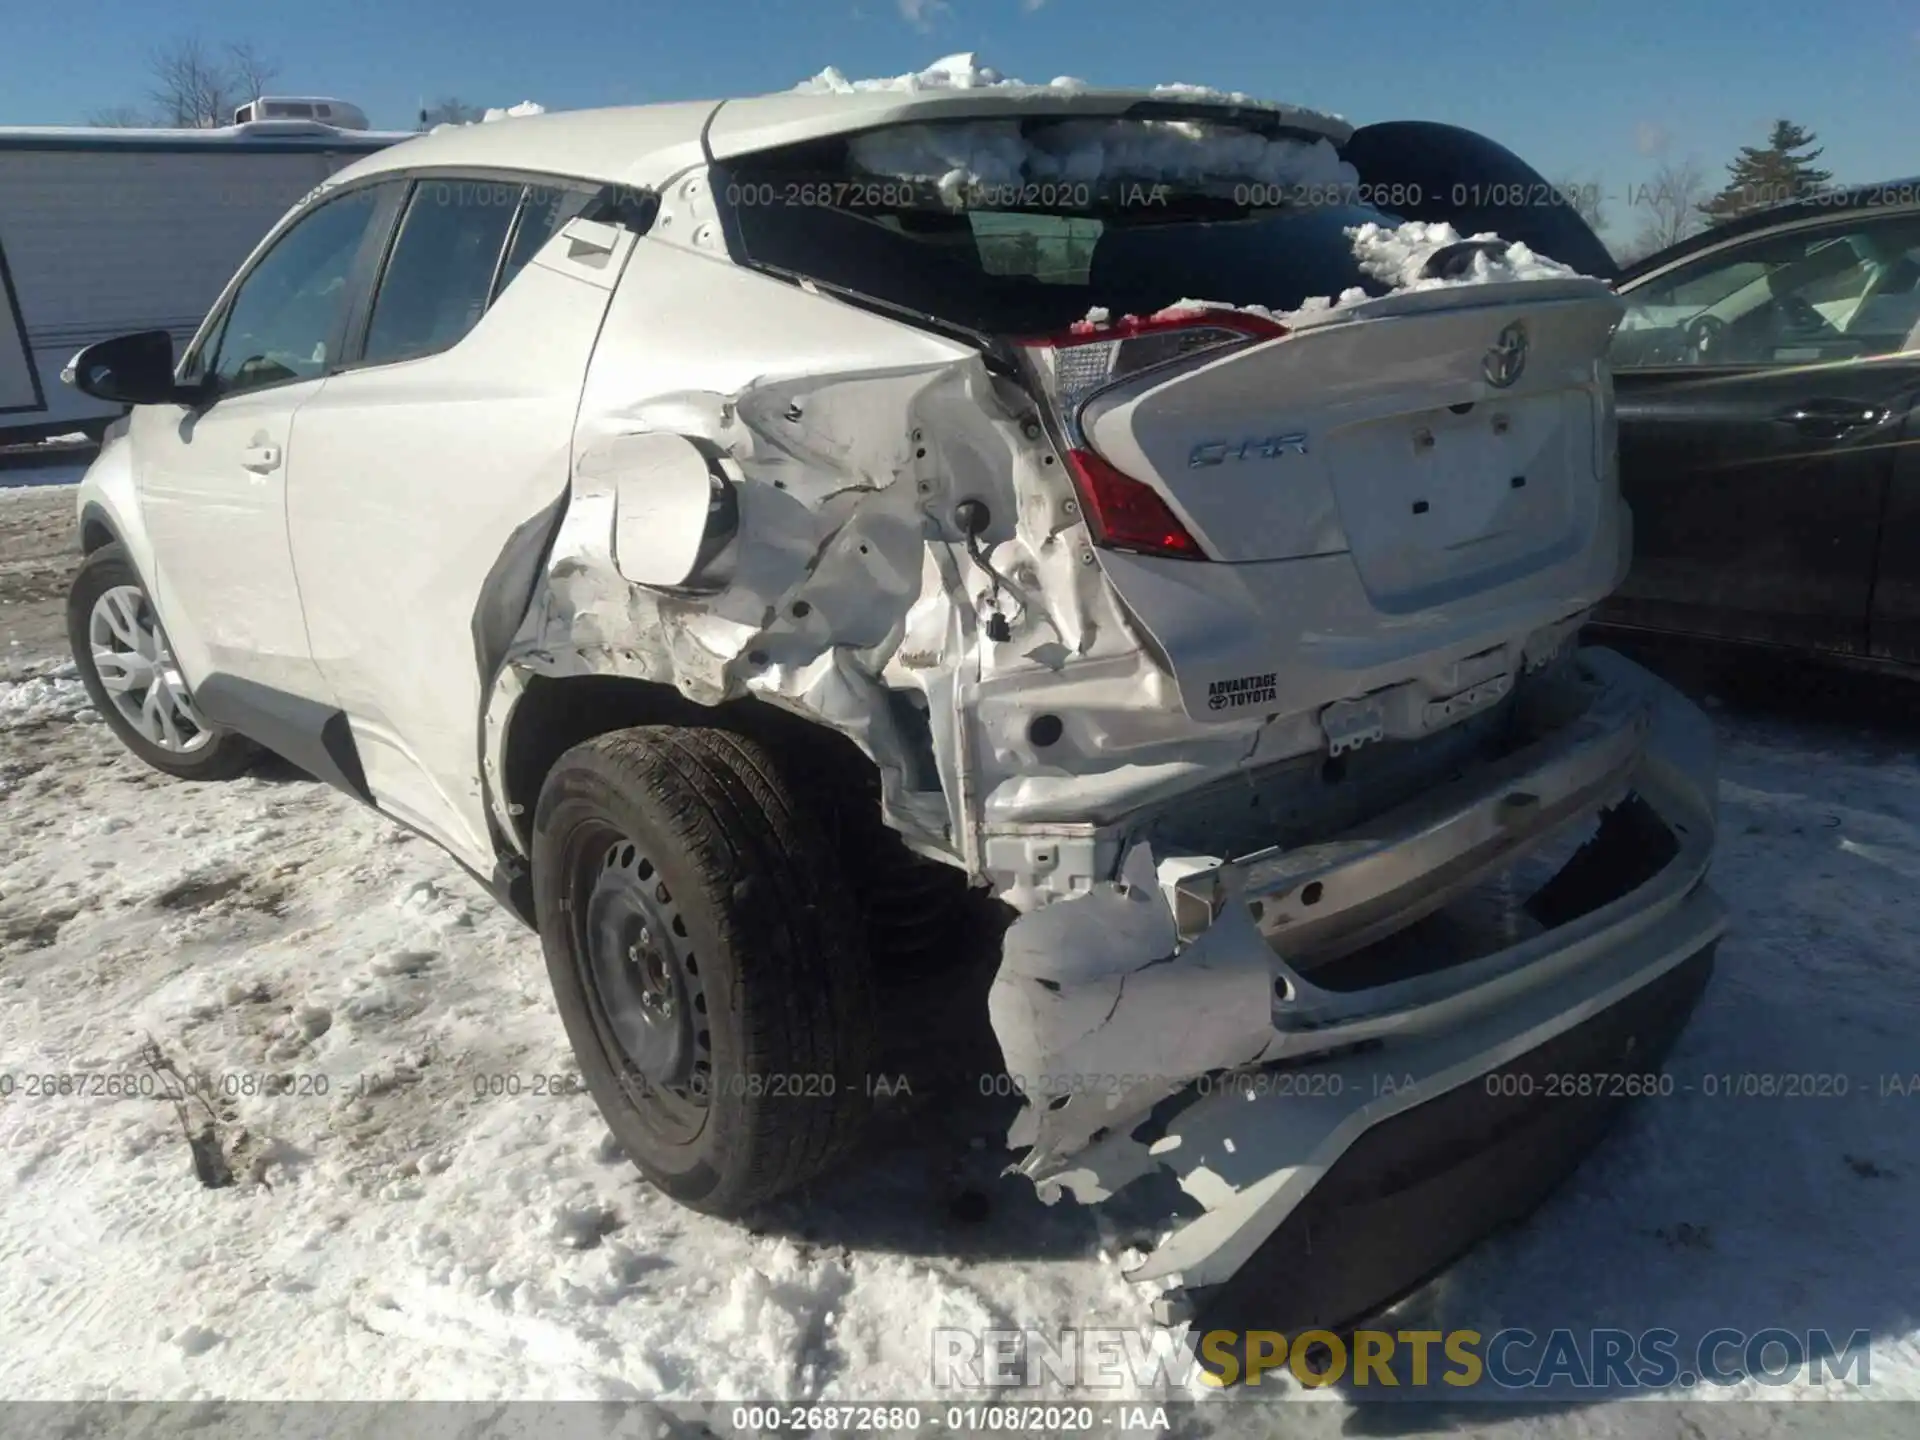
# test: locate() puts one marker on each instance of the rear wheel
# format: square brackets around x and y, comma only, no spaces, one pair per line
[130,673]
[706,959]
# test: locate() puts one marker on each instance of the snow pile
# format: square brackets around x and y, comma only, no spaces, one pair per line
[1352,295]
[412,1219]
[42,696]
[1239,97]
[964,71]
[951,72]
[1205,92]
[493,113]
[962,155]
[1398,254]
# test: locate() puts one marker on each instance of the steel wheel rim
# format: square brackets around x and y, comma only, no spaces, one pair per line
[643,983]
[136,668]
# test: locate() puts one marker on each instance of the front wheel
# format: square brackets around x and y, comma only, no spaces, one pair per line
[131,676]
[707,962]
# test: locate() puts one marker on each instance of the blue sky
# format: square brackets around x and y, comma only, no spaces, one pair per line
[1598,91]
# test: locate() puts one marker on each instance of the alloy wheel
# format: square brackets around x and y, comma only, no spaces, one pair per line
[137,669]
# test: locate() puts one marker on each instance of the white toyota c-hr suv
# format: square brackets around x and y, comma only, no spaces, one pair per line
[742,533]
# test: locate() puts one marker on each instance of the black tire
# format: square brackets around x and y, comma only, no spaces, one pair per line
[764,936]
[224,756]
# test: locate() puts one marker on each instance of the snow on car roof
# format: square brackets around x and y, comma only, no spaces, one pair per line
[649,144]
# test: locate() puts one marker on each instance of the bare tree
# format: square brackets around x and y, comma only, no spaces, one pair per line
[449,110]
[119,117]
[251,71]
[197,88]
[1669,205]
[192,88]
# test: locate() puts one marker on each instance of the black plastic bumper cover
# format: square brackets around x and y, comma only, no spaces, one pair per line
[1418,1190]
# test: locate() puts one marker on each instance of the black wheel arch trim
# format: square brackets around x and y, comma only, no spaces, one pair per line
[319,739]
[95,522]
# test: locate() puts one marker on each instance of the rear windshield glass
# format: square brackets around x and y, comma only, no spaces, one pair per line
[1021,228]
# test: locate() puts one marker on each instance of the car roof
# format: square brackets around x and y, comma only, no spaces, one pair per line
[650,144]
[1890,195]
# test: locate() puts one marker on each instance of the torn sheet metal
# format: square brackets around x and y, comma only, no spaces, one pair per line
[1249,1147]
[843,587]
[890,546]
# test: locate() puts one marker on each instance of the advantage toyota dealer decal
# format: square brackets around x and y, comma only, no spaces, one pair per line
[1247,690]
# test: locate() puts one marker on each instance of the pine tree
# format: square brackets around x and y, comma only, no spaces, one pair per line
[1768,174]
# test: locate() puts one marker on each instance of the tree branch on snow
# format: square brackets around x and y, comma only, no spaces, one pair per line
[209,1160]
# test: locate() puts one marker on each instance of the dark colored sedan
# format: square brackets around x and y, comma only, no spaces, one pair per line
[1767,374]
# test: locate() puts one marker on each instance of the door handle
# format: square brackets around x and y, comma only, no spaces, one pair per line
[1831,417]
[261,459]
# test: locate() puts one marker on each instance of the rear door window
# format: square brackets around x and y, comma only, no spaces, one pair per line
[440,275]
[544,210]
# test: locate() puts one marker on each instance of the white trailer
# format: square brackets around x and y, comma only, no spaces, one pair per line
[108,231]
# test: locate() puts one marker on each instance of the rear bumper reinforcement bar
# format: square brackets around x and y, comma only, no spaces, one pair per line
[1102,1007]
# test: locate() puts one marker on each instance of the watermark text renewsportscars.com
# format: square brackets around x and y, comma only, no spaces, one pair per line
[1510,1359]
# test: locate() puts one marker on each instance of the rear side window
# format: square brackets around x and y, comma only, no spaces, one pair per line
[545,209]
[440,274]
[1031,249]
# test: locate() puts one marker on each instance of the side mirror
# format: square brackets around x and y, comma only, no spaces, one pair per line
[129,370]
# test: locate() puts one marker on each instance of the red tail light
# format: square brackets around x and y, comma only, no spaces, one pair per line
[1126,514]
[1123,512]
[1091,356]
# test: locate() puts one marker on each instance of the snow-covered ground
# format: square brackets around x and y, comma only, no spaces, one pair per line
[39,546]
[420,1216]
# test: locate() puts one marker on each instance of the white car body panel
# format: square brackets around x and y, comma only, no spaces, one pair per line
[527,506]
[222,568]
[641,145]
[467,446]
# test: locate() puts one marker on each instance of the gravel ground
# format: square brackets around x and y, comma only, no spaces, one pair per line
[39,548]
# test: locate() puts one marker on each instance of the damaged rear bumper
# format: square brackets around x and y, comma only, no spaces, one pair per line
[1249,1024]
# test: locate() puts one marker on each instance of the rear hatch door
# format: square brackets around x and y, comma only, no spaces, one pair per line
[1447,439]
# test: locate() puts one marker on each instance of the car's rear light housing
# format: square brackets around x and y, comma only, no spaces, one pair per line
[1125,513]
[1092,355]
[1070,368]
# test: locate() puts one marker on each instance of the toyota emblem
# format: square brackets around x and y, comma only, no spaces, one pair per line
[1507,358]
